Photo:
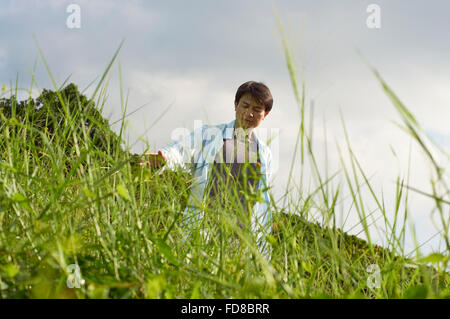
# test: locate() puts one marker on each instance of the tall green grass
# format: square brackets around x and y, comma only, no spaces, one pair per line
[122,224]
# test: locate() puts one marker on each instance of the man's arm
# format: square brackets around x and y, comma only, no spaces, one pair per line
[175,155]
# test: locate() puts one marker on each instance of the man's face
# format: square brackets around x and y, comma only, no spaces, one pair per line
[249,112]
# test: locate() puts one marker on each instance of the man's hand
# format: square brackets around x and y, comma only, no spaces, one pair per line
[153,160]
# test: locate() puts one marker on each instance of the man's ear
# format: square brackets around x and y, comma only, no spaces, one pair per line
[265,114]
[235,105]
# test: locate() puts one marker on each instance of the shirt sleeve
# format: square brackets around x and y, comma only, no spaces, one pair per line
[180,154]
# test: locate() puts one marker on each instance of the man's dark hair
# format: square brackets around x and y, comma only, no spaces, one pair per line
[259,91]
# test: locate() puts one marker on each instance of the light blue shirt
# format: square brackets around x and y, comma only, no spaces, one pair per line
[196,152]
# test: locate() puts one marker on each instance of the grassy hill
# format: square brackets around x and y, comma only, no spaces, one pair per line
[336,261]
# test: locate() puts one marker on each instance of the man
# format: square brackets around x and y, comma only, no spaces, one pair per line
[205,149]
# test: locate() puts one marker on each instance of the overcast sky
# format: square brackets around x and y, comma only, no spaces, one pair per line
[191,56]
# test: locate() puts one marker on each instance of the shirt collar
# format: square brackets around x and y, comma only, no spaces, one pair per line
[250,137]
[228,132]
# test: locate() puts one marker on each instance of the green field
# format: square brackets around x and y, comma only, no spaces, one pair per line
[72,193]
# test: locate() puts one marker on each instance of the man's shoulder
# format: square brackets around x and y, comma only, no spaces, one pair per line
[211,129]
